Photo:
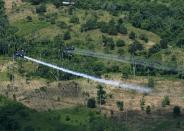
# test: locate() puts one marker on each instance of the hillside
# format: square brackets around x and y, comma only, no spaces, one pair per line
[149,31]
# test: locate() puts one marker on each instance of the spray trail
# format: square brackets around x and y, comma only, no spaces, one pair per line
[108,82]
[124,59]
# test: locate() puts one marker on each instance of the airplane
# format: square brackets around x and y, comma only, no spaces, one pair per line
[20,53]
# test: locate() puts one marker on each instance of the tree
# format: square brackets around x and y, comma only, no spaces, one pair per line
[148,109]
[108,42]
[120,105]
[101,95]
[91,103]
[120,43]
[164,44]
[165,101]
[132,35]
[36,2]
[142,103]
[134,47]
[112,29]
[180,43]
[176,111]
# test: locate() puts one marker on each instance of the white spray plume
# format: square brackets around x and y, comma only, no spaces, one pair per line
[108,82]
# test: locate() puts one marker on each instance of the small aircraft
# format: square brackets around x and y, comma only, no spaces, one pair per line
[20,53]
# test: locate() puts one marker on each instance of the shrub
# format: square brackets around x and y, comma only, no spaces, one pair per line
[41,9]
[91,103]
[142,103]
[29,18]
[166,101]
[148,109]
[176,111]
[122,29]
[120,43]
[132,35]
[144,37]
[120,105]
[74,20]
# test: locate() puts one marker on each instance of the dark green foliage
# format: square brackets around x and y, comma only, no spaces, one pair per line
[180,43]
[36,2]
[91,103]
[29,18]
[62,24]
[41,9]
[90,24]
[135,47]
[66,36]
[132,35]
[166,101]
[176,111]
[163,44]
[122,29]
[120,43]
[144,37]
[148,109]
[101,95]
[120,105]
[74,19]
[108,42]
[156,48]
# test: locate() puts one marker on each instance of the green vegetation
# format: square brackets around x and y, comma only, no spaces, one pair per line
[21,118]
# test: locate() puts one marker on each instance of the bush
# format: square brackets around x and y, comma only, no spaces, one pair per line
[132,35]
[74,20]
[29,19]
[120,105]
[91,103]
[41,9]
[120,43]
[142,103]
[62,24]
[144,37]
[176,111]
[67,35]
[166,101]
[148,109]
[122,29]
